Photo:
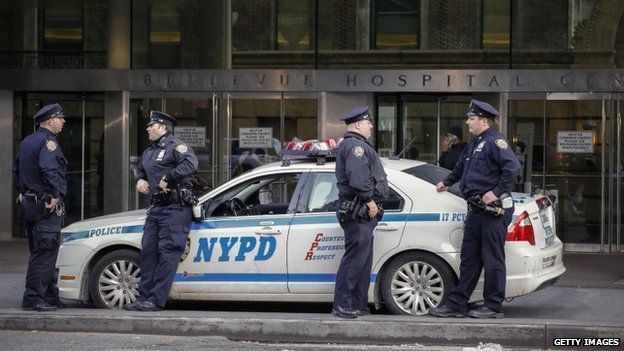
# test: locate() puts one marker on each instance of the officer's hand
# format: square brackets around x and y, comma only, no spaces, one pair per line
[441,187]
[163,185]
[52,204]
[372,209]
[143,186]
[489,197]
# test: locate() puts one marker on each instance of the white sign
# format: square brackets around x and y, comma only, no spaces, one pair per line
[192,136]
[255,137]
[575,142]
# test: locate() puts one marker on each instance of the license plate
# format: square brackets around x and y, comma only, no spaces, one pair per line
[548,262]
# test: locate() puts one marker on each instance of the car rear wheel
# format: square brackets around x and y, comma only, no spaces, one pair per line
[414,282]
[115,278]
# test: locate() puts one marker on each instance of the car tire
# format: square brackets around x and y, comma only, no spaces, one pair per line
[114,279]
[414,282]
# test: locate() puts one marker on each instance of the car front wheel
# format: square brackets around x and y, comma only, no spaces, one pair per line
[414,282]
[114,280]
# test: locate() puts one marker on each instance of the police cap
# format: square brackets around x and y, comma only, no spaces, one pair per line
[359,114]
[47,112]
[482,109]
[162,118]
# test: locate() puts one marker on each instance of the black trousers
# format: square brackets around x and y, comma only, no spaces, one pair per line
[483,248]
[164,239]
[43,243]
[354,273]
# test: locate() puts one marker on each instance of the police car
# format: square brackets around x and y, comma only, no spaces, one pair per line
[272,234]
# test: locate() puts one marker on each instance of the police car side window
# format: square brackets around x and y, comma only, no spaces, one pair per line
[324,196]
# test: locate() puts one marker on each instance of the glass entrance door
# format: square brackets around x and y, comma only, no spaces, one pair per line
[82,141]
[570,148]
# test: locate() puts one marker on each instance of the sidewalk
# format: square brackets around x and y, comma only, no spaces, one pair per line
[588,301]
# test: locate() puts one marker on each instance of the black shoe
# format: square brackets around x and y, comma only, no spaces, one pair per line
[445,311]
[44,307]
[59,304]
[344,313]
[362,313]
[133,306]
[485,312]
[149,306]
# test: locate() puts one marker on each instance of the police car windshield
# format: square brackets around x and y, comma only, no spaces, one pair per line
[432,174]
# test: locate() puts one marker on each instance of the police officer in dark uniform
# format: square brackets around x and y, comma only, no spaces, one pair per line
[486,173]
[165,173]
[452,148]
[362,185]
[39,174]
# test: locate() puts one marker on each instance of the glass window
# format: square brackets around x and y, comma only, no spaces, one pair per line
[295,24]
[324,196]
[269,195]
[420,130]
[397,24]
[387,126]
[300,119]
[496,24]
[433,175]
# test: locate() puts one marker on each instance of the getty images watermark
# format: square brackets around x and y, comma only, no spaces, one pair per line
[587,342]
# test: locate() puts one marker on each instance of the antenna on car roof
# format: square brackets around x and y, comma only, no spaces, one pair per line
[402,151]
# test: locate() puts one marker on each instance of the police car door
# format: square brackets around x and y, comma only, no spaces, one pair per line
[240,248]
[316,240]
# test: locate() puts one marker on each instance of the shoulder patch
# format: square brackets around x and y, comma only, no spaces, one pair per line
[358,151]
[182,148]
[501,143]
[51,145]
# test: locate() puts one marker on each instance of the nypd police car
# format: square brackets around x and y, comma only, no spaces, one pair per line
[272,234]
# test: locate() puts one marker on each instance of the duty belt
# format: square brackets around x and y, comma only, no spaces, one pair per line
[182,196]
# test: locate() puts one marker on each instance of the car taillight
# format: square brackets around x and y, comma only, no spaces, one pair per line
[521,229]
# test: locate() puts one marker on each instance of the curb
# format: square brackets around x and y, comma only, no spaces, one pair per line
[370,331]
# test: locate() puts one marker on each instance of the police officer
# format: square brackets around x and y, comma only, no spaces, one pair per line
[486,172]
[39,174]
[362,185]
[165,173]
[452,148]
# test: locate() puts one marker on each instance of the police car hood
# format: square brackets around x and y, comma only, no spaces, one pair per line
[103,221]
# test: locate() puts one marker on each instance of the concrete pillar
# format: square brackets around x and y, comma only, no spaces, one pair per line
[119,34]
[216,35]
[116,151]
[7,202]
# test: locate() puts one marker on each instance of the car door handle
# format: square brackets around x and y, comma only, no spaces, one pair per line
[385,227]
[268,231]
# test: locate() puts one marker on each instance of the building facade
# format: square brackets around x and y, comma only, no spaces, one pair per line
[245,76]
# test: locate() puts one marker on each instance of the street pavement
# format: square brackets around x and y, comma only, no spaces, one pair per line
[587,302]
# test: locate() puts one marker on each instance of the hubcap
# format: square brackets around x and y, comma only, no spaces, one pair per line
[417,287]
[119,283]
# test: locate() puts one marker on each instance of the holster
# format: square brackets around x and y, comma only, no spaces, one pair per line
[476,204]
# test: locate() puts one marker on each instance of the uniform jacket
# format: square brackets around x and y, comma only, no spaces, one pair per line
[488,163]
[359,170]
[449,158]
[168,156]
[40,166]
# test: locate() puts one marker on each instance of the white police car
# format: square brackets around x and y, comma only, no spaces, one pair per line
[271,234]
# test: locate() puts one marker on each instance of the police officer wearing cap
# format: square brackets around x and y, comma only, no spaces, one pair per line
[362,185]
[165,173]
[486,173]
[39,174]
[452,148]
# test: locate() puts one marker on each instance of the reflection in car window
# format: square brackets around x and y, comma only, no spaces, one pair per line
[324,196]
[259,196]
[433,174]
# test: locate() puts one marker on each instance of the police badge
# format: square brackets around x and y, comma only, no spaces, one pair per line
[358,151]
[501,143]
[51,145]
[182,148]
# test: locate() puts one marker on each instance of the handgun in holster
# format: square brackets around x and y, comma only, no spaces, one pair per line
[494,208]
[46,199]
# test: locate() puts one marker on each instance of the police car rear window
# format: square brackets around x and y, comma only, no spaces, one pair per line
[432,174]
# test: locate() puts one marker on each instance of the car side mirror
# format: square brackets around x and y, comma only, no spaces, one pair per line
[197,213]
